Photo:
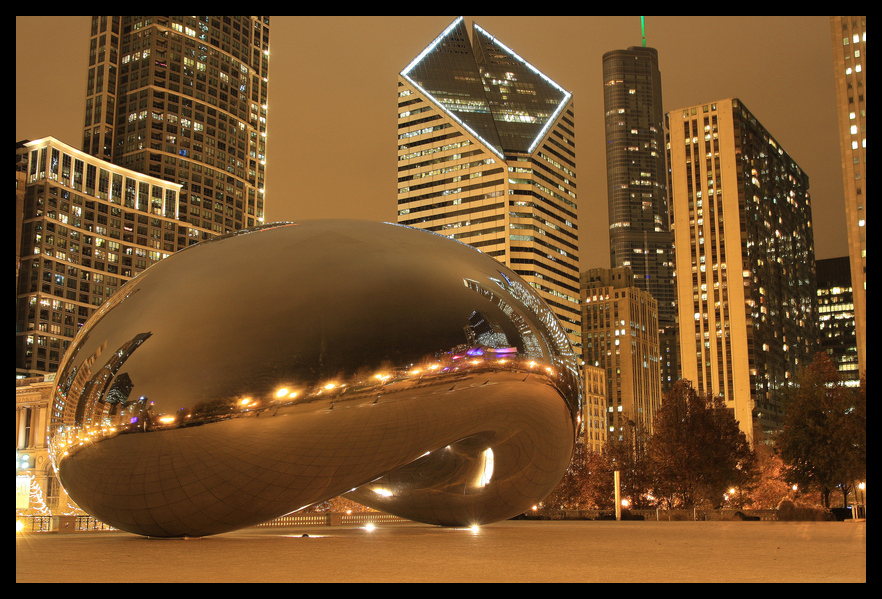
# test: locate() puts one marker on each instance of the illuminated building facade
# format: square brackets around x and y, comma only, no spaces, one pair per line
[37,490]
[87,227]
[184,99]
[637,188]
[836,317]
[745,255]
[593,431]
[620,337]
[849,35]
[486,156]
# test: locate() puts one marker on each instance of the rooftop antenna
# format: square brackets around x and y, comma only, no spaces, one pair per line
[643,29]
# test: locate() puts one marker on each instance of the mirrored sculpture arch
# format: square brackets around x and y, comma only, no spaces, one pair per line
[253,375]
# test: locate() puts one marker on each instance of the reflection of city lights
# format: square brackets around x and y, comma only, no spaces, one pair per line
[487,473]
[383,492]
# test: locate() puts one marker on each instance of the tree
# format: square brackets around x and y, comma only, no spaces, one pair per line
[630,458]
[598,488]
[586,485]
[697,452]
[568,494]
[770,487]
[824,439]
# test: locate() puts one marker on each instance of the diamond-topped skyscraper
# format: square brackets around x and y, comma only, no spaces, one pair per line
[487,156]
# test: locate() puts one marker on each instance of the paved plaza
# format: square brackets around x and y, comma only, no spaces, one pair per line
[510,551]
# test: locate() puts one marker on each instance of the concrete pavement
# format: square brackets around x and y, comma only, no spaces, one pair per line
[510,551]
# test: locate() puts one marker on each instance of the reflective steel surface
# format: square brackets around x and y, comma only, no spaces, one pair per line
[256,374]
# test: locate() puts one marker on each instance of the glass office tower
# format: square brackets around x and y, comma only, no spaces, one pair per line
[184,99]
[486,155]
[836,316]
[639,226]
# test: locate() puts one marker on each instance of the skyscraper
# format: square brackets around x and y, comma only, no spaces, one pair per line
[849,35]
[184,99]
[486,155]
[620,337]
[637,192]
[173,153]
[747,301]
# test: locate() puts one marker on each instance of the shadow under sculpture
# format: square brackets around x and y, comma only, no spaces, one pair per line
[253,375]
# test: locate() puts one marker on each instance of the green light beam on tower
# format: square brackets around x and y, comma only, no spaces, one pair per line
[643,29]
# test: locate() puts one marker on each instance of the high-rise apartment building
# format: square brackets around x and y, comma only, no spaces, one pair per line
[849,35]
[184,99]
[746,285]
[637,190]
[836,317]
[620,337]
[88,226]
[487,156]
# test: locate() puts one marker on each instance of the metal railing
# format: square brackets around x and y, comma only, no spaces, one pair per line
[84,523]
[70,523]
[653,514]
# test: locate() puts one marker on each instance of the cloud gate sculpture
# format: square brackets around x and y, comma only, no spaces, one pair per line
[253,375]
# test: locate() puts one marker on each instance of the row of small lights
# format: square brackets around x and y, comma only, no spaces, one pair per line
[287,393]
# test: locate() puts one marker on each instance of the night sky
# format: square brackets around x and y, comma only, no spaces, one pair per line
[331,135]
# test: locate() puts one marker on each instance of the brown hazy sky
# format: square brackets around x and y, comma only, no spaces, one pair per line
[331,134]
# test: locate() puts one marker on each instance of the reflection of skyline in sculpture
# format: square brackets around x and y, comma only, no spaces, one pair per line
[384,358]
